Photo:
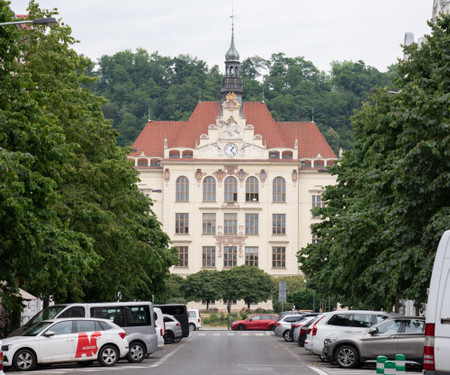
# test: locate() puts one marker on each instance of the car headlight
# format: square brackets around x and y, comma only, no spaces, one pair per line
[5,348]
[329,340]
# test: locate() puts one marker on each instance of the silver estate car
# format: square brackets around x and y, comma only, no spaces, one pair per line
[174,332]
[395,335]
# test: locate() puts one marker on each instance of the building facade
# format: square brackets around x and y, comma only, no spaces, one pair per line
[232,186]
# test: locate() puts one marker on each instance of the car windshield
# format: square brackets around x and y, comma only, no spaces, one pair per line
[48,313]
[35,329]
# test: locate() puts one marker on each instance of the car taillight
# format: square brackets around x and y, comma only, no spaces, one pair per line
[314,329]
[428,349]
[298,325]
[278,324]
[199,320]
[122,334]
[178,324]
[302,331]
[161,332]
[292,325]
[308,331]
[1,360]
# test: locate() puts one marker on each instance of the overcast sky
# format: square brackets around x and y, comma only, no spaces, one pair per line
[319,30]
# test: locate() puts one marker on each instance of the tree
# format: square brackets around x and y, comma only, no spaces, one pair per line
[249,283]
[202,286]
[36,246]
[391,204]
[98,196]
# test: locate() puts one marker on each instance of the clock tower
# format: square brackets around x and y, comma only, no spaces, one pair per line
[232,81]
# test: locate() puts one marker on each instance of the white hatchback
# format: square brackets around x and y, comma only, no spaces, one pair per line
[195,319]
[80,340]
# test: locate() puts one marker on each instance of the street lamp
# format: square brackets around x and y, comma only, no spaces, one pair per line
[49,21]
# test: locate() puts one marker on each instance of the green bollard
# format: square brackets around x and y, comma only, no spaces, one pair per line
[400,366]
[389,368]
[381,360]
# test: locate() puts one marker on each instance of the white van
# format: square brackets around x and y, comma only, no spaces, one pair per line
[195,319]
[436,359]
[136,318]
[160,326]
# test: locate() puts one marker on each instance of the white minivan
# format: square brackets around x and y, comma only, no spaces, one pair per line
[436,359]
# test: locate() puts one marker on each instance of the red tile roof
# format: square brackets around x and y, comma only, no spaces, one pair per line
[275,134]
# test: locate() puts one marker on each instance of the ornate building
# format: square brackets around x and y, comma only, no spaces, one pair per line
[231,185]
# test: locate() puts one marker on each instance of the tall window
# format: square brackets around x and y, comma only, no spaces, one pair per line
[251,223]
[251,190]
[279,224]
[181,223]
[209,223]
[182,256]
[230,187]
[251,256]
[182,189]
[315,239]
[278,257]
[209,256]
[279,190]
[230,224]
[317,202]
[209,189]
[229,256]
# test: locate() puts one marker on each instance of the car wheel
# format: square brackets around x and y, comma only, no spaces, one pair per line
[137,352]
[287,336]
[347,356]
[241,327]
[108,355]
[24,360]
[85,363]
[191,327]
[168,339]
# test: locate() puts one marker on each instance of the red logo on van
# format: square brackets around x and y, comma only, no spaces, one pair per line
[86,346]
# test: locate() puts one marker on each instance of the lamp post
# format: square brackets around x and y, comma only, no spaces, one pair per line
[49,21]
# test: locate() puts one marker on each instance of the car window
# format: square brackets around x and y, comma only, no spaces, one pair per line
[291,318]
[256,317]
[167,319]
[48,313]
[35,329]
[103,326]
[138,315]
[85,326]
[380,318]
[340,320]
[116,314]
[62,328]
[414,326]
[361,320]
[267,317]
[73,312]
[391,326]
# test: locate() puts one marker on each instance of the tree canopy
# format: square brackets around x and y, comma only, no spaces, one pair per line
[391,204]
[74,224]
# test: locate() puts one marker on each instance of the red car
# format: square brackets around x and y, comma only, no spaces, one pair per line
[262,322]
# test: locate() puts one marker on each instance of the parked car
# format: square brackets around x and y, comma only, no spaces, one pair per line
[337,322]
[160,327]
[262,322]
[174,332]
[136,318]
[294,332]
[302,331]
[404,335]
[195,319]
[66,340]
[283,325]
[437,327]
[179,311]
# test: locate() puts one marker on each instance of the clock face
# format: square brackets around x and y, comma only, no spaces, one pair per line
[230,149]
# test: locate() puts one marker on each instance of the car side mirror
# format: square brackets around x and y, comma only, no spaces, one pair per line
[373,330]
[49,334]
[250,320]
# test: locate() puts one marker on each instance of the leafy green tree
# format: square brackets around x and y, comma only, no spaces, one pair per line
[202,286]
[97,187]
[36,246]
[385,216]
[249,283]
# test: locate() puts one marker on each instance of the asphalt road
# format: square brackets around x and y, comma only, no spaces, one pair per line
[219,353]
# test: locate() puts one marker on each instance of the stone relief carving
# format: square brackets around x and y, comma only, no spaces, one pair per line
[238,241]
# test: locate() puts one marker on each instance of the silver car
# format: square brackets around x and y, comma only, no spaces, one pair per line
[283,325]
[174,333]
[395,335]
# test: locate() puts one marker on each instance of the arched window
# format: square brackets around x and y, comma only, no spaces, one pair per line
[182,189]
[230,189]
[252,189]
[279,190]
[209,189]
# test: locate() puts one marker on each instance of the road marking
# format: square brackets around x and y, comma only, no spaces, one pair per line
[166,357]
[318,370]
